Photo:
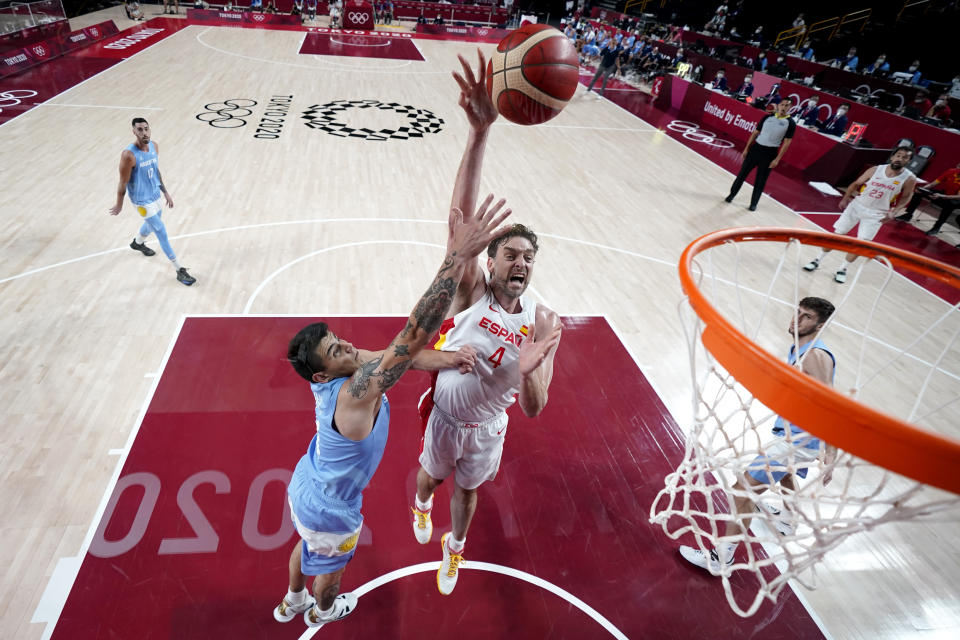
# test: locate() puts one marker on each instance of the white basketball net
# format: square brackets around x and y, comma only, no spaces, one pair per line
[916,379]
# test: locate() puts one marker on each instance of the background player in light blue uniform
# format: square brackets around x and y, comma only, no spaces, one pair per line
[140,177]
[352,417]
[766,470]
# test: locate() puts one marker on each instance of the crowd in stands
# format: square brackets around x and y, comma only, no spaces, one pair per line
[642,59]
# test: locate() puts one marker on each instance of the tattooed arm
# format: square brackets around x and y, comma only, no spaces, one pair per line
[359,398]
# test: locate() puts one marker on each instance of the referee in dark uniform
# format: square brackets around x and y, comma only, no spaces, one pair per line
[767,144]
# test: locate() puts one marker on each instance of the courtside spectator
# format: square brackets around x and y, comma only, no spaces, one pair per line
[809,115]
[836,125]
[940,109]
[745,90]
[849,61]
[880,67]
[920,106]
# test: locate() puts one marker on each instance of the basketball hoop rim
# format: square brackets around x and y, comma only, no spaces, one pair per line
[870,434]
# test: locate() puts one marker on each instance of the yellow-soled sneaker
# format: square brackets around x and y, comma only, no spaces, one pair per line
[422,525]
[449,568]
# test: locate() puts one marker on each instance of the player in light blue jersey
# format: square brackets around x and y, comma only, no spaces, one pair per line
[800,446]
[140,177]
[352,419]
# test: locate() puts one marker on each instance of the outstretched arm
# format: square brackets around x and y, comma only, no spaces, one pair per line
[127,162]
[463,359]
[481,113]
[536,361]
[359,399]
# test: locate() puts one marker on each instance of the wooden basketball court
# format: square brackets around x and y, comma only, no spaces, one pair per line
[329,207]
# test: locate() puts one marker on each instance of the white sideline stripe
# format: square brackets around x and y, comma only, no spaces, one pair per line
[69,89]
[115,452]
[58,596]
[56,592]
[507,123]
[473,565]
[95,106]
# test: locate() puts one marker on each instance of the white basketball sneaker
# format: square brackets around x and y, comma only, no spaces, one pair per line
[285,612]
[783,526]
[343,605]
[449,568]
[422,525]
[709,561]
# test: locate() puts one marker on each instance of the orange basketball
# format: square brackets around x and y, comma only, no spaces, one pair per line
[532,74]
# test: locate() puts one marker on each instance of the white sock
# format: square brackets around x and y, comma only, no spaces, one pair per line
[456,545]
[176,264]
[140,239]
[424,506]
[820,256]
[296,598]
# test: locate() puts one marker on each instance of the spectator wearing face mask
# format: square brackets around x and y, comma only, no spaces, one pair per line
[911,74]
[720,81]
[920,106]
[745,90]
[849,61]
[880,67]
[940,109]
[809,115]
[780,69]
[836,125]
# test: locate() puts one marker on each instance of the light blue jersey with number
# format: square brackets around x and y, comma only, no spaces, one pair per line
[342,466]
[144,184]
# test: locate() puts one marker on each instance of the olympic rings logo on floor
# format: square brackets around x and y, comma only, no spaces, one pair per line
[692,131]
[325,117]
[357,16]
[228,114]
[13,97]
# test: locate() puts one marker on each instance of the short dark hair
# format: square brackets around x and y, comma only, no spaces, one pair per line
[302,350]
[903,148]
[823,308]
[515,230]
[138,120]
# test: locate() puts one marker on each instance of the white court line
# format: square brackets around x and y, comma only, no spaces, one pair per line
[473,565]
[312,67]
[507,123]
[765,195]
[68,90]
[818,213]
[70,573]
[94,106]
[669,263]
[357,44]
[115,452]
[307,256]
